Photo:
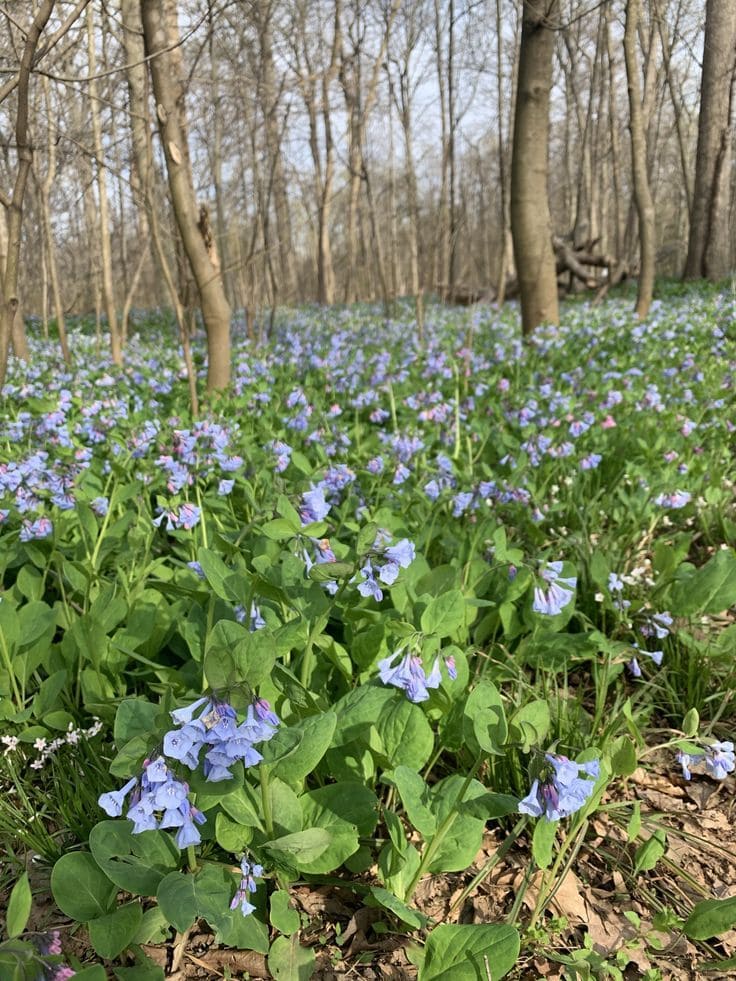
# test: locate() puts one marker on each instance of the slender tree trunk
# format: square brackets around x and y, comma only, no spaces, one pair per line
[642,192]
[108,288]
[708,251]
[192,222]
[9,301]
[530,217]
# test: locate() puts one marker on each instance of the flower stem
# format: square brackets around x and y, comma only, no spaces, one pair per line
[433,846]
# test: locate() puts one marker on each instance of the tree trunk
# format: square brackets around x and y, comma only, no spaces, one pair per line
[193,222]
[9,302]
[108,288]
[708,251]
[642,192]
[530,217]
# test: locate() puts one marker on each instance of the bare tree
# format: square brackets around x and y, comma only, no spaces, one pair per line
[642,191]
[160,38]
[708,245]
[530,217]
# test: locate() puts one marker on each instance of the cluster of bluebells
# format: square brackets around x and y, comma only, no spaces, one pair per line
[158,801]
[717,758]
[557,592]
[186,517]
[216,727]
[248,874]
[384,564]
[409,674]
[560,790]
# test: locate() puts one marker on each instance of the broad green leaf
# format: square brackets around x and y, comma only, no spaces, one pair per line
[134,862]
[468,952]
[80,887]
[284,917]
[648,854]
[710,589]
[111,934]
[416,798]
[177,899]
[444,614]
[484,722]
[711,918]
[314,738]
[289,961]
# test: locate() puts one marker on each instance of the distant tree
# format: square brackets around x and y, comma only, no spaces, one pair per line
[642,191]
[161,39]
[530,217]
[708,246]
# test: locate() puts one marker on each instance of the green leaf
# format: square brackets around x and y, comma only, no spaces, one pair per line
[226,584]
[289,961]
[691,723]
[404,734]
[530,724]
[96,973]
[134,862]
[302,847]
[19,907]
[484,721]
[623,757]
[543,841]
[134,717]
[490,806]
[111,934]
[469,952]
[710,589]
[235,656]
[711,918]
[464,836]
[314,737]
[415,796]
[145,970]
[648,854]
[444,614]
[413,918]
[80,887]
[284,917]
[177,899]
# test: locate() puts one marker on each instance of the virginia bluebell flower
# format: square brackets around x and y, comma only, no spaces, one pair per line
[657,625]
[314,507]
[409,674]
[559,591]
[249,873]
[674,501]
[718,758]
[559,790]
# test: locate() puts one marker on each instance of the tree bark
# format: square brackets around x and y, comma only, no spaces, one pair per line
[108,288]
[9,302]
[708,251]
[530,217]
[192,221]
[642,191]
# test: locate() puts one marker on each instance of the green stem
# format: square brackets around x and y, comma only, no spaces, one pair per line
[191,859]
[266,799]
[11,674]
[491,863]
[433,846]
[101,536]
[202,515]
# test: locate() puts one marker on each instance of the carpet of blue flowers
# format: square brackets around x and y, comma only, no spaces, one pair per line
[388,600]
